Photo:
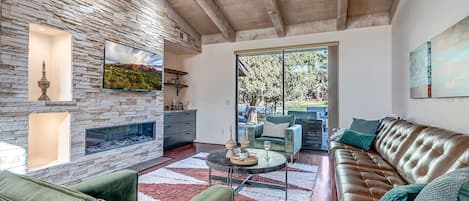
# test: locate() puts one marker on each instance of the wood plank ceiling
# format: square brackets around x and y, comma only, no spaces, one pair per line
[238,20]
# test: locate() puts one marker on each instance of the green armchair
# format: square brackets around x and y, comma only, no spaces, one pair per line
[290,144]
[117,186]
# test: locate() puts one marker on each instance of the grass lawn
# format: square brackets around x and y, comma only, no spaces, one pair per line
[301,106]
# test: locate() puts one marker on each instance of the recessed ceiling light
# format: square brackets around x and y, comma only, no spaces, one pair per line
[42,29]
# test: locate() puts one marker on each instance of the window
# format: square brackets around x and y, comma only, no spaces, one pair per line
[293,81]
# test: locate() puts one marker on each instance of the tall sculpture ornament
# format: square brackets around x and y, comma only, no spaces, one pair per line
[44,84]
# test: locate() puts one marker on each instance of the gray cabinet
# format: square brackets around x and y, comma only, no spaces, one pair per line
[179,128]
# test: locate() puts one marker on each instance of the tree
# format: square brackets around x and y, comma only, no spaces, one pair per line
[305,78]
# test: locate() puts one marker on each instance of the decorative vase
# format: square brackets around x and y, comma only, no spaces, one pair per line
[245,140]
[230,145]
[43,84]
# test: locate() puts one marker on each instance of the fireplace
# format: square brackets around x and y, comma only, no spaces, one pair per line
[107,138]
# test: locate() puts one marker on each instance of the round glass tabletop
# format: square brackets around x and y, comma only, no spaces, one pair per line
[276,161]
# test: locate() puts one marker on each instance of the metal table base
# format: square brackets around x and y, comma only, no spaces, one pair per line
[248,181]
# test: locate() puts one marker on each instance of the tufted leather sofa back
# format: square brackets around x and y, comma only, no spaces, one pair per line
[433,153]
[394,138]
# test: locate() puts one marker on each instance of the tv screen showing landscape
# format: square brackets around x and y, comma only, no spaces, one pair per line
[131,69]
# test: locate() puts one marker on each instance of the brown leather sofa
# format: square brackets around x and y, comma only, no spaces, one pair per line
[402,153]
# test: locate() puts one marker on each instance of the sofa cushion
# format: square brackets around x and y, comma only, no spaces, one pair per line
[333,143]
[433,153]
[36,190]
[365,126]
[358,139]
[393,142]
[367,159]
[120,185]
[453,186]
[282,119]
[364,184]
[403,193]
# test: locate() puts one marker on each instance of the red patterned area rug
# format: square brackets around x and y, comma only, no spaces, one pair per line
[185,179]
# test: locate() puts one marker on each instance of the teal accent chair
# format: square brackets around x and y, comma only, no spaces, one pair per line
[290,144]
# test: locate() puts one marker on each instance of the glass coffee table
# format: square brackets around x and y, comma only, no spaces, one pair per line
[276,161]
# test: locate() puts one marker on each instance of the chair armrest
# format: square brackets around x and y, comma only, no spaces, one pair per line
[120,185]
[293,139]
[216,193]
[254,132]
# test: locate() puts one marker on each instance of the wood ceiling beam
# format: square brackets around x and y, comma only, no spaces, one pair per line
[392,12]
[273,10]
[218,18]
[342,7]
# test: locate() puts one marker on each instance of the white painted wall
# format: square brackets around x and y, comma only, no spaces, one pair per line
[416,22]
[364,77]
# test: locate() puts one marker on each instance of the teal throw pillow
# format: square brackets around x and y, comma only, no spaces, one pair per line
[282,119]
[453,186]
[365,126]
[403,193]
[357,139]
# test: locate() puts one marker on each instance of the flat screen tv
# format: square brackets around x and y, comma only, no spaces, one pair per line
[129,68]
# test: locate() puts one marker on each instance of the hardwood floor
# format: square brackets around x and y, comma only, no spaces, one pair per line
[322,189]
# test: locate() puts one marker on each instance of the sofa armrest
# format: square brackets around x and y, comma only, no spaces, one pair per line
[293,139]
[119,186]
[216,193]
[336,134]
[254,132]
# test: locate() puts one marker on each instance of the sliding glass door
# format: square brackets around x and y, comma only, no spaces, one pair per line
[293,81]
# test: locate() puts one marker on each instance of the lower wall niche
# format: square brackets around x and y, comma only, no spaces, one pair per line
[48,139]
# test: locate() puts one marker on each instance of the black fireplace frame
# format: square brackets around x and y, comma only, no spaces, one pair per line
[153,137]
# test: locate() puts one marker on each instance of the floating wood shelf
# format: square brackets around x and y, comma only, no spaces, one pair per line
[176,72]
[176,85]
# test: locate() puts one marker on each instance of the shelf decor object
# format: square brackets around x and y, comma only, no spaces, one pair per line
[230,145]
[43,84]
[421,72]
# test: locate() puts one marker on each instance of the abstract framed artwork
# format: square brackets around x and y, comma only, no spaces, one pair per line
[421,72]
[450,61]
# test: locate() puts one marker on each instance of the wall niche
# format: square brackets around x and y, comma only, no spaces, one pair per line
[53,47]
[48,140]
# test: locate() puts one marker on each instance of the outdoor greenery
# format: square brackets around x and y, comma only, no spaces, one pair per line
[123,77]
[305,80]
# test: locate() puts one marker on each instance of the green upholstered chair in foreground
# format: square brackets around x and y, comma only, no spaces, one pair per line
[291,142]
[117,186]
[216,193]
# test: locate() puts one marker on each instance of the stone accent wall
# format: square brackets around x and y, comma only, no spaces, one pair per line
[143,24]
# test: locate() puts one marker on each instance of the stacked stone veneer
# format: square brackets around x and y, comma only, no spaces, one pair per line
[143,24]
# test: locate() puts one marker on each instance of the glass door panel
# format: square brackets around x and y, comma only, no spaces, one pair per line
[260,88]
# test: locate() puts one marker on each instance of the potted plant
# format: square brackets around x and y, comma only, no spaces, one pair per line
[243,154]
